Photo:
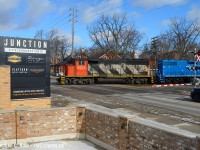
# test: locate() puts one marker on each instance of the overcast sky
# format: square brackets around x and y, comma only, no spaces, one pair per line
[22,18]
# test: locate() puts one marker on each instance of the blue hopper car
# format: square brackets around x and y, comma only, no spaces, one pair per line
[177,71]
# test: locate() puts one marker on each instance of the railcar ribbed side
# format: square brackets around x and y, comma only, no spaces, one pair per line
[87,71]
[177,71]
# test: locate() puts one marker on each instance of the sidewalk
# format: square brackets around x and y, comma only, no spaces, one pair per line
[56,145]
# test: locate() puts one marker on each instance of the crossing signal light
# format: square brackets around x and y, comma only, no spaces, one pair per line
[196,68]
[198,53]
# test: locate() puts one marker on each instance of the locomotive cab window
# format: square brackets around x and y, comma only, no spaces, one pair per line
[81,62]
[170,63]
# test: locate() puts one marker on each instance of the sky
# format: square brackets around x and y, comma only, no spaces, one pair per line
[23,18]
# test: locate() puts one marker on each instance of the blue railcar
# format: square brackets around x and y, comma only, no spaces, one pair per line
[176,71]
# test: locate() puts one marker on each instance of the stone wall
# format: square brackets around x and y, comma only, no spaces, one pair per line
[148,137]
[5,102]
[113,131]
[7,126]
[24,126]
[5,94]
[104,128]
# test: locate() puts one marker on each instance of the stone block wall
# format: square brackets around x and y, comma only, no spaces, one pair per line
[146,137]
[5,87]
[22,126]
[80,122]
[51,122]
[105,129]
[133,134]
[7,126]
[5,94]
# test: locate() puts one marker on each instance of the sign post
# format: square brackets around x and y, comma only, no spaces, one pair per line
[195,64]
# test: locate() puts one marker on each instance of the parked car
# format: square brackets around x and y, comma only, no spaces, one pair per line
[195,94]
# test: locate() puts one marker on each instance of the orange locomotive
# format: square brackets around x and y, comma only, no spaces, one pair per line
[87,71]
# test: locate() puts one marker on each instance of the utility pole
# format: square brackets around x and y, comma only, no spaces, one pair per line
[73,21]
[154,47]
[41,34]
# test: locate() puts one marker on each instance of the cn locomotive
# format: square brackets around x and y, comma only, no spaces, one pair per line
[87,71]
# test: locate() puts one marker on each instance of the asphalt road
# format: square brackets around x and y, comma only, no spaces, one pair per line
[123,96]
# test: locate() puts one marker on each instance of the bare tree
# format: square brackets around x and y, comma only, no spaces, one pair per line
[114,33]
[65,46]
[59,45]
[146,52]
[51,34]
[183,36]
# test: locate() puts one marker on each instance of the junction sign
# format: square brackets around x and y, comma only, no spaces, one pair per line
[30,66]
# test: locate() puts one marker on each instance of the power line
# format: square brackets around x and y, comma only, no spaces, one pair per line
[151,9]
[63,17]
[86,7]
[146,11]
[156,8]
[100,9]
[56,21]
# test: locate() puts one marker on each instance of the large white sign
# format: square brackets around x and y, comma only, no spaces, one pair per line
[23,50]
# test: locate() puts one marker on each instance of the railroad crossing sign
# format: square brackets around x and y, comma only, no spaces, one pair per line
[197,56]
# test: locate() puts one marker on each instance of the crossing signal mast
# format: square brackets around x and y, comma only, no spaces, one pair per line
[195,68]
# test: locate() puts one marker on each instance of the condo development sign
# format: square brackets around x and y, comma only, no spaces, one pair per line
[30,66]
